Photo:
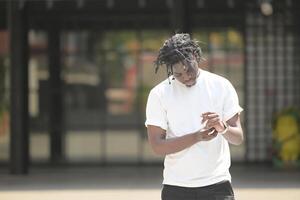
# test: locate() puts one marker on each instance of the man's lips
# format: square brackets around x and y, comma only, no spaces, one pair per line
[190,82]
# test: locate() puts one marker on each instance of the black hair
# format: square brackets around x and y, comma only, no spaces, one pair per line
[178,48]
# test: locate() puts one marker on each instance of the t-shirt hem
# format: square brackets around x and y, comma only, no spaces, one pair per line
[155,124]
[198,184]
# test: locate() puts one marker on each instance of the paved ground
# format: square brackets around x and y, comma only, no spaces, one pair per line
[134,183]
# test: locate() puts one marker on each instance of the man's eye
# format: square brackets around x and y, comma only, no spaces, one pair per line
[191,70]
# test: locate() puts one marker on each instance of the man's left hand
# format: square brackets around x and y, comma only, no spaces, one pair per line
[213,120]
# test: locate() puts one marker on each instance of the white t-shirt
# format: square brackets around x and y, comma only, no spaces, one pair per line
[178,109]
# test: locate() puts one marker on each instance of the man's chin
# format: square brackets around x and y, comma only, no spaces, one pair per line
[191,84]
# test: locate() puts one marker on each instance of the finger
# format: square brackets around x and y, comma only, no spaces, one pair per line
[211,116]
[209,124]
[214,134]
[212,122]
[204,115]
[211,133]
[203,119]
[211,136]
[207,113]
[206,132]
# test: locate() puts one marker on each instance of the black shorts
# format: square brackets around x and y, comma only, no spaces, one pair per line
[218,191]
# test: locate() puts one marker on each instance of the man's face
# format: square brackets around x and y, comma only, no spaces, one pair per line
[186,72]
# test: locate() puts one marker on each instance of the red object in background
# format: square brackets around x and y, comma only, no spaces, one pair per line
[4,122]
[4,40]
[130,82]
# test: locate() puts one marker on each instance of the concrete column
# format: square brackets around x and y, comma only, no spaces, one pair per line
[56,117]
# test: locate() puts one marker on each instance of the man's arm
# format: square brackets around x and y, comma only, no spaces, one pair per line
[234,133]
[163,146]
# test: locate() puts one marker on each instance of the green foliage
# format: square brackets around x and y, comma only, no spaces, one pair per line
[286,138]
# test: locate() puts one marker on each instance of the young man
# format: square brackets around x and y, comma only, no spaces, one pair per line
[190,119]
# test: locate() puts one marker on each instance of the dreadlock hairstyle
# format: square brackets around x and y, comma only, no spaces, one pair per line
[178,48]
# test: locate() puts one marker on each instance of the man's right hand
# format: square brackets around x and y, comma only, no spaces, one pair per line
[206,135]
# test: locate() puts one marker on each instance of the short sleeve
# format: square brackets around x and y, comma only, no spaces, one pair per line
[231,102]
[155,113]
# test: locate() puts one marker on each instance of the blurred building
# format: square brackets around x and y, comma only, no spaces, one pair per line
[75,75]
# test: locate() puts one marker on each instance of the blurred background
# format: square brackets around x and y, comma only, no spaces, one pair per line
[75,76]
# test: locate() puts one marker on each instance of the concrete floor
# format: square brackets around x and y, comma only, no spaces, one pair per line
[135,183]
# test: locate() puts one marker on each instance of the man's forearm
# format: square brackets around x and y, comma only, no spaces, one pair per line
[173,145]
[234,135]
[163,146]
